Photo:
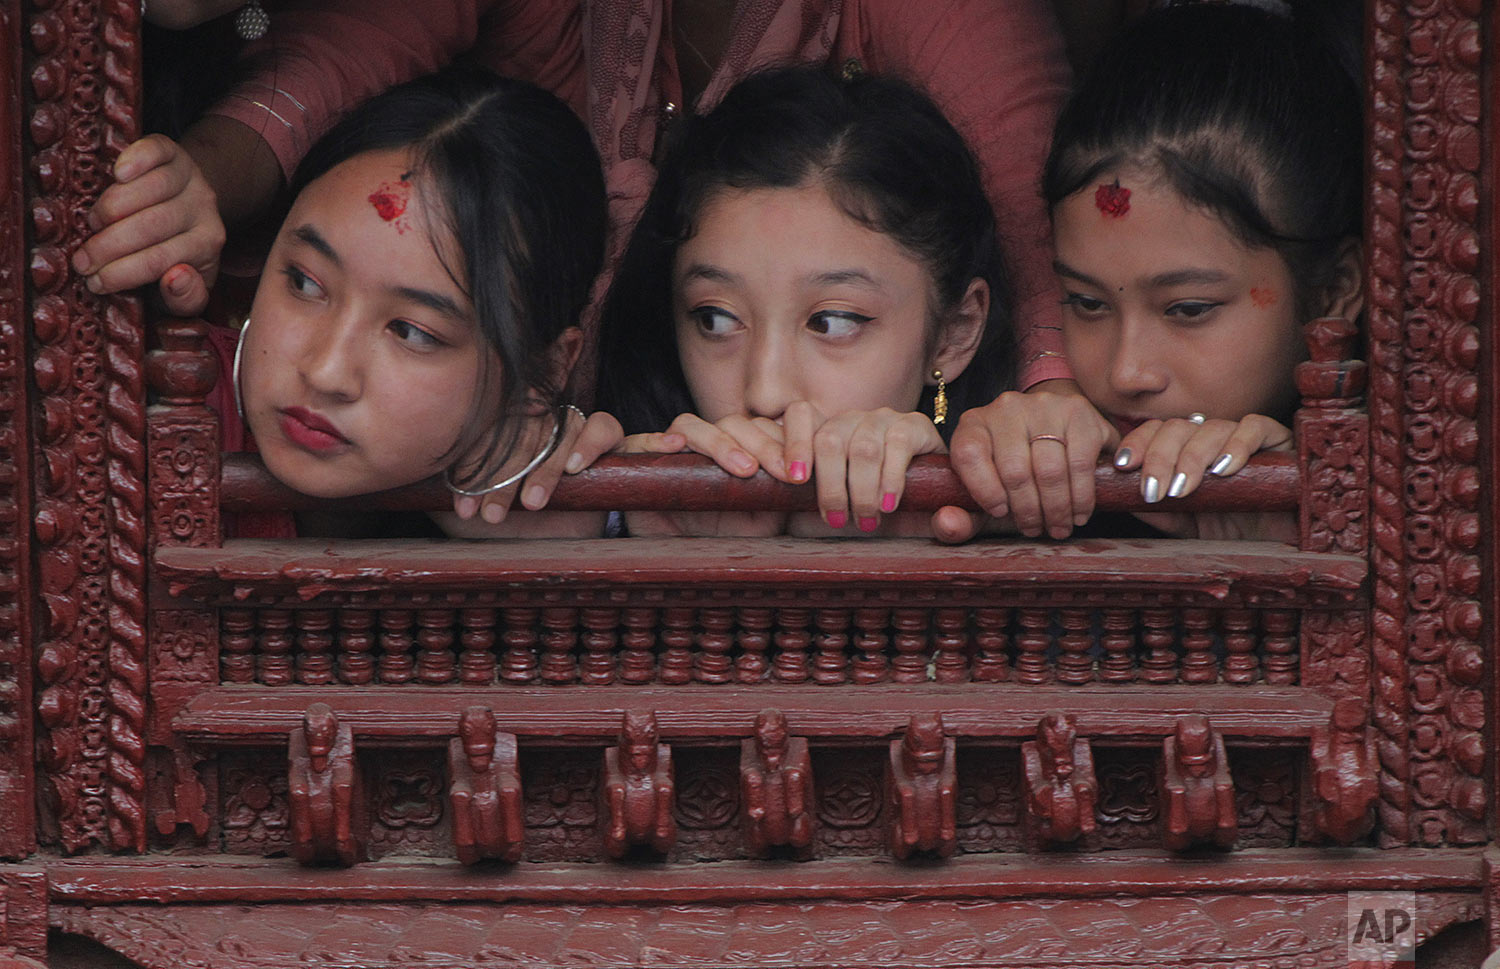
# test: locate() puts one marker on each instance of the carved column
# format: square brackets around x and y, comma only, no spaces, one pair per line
[18,630]
[82,65]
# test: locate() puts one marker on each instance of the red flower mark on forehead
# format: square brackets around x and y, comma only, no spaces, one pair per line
[1262,297]
[1112,200]
[390,201]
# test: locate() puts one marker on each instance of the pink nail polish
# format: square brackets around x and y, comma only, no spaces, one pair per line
[888,502]
[837,519]
[868,524]
[798,471]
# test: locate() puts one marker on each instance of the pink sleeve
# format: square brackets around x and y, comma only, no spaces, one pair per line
[323,56]
[999,71]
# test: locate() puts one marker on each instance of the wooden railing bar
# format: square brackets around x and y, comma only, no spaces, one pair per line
[691,482]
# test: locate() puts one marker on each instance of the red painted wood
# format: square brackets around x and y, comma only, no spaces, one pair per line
[104,881]
[541,714]
[251,566]
[691,482]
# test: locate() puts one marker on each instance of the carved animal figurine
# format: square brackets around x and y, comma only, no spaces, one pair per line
[1344,773]
[921,781]
[1196,790]
[776,787]
[326,796]
[638,789]
[489,819]
[1060,788]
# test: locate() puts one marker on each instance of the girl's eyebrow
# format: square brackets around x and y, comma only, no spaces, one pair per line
[834,277]
[1177,277]
[307,234]
[437,302]
[701,270]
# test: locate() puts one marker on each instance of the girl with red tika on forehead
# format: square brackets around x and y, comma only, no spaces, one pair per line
[1204,187]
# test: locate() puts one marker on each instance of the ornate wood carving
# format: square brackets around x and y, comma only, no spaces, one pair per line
[90,516]
[17,583]
[329,820]
[1196,790]
[1061,792]
[921,784]
[489,817]
[1344,773]
[638,789]
[1425,109]
[776,787]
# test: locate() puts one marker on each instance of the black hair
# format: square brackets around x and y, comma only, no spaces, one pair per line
[1246,113]
[518,184]
[888,158]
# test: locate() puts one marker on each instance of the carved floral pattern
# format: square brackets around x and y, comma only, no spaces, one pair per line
[254,809]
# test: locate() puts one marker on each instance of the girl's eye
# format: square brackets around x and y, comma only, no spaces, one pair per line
[714,321]
[1192,309]
[302,284]
[837,323]
[413,335]
[1084,305]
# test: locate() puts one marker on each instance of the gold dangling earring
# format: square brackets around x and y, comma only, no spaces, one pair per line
[940,400]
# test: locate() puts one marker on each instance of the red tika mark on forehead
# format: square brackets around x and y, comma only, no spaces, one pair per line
[1262,297]
[390,201]
[1112,200]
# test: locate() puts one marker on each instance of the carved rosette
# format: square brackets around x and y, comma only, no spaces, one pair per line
[83,66]
[1424,355]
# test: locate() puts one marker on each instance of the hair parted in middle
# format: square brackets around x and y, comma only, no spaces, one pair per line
[888,158]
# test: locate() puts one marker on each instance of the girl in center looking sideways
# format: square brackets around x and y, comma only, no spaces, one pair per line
[814,281]
[1204,183]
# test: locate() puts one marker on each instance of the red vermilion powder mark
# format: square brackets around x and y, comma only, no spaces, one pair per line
[1261,297]
[1112,200]
[390,201]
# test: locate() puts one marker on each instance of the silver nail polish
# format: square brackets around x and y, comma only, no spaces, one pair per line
[1219,466]
[1178,485]
[1153,490]
[1122,458]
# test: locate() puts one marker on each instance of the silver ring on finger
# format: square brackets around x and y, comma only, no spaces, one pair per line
[575,409]
[1196,418]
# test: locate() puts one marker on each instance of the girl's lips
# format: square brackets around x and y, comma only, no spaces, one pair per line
[311,431]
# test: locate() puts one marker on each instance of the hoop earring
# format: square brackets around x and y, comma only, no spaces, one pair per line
[532,465]
[939,400]
[239,353]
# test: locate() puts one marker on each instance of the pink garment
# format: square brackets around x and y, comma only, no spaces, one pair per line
[996,67]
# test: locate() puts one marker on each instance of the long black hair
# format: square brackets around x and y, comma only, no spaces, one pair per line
[518,184]
[890,160]
[1246,113]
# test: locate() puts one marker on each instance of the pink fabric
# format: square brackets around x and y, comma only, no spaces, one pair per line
[997,67]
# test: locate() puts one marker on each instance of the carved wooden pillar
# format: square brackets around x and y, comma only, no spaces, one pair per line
[88,525]
[476,664]
[315,646]
[754,639]
[637,662]
[325,794]
[830,665]
[20,622]
[1159,665]
[676,642]
[1031,646]
[949,664]
[992,662]
[601,627]
[356,663]
[792,639]
[1074,665]
[237,646]
[1240,664]
[1061,792]
[921,782]
[518,663]
[559,636]
[711,664]
[910,664]
[870,664]
[1118,642]
[776,788]
[1280,646]
[484,794]
[396,663]
[273,660]
[435,661]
